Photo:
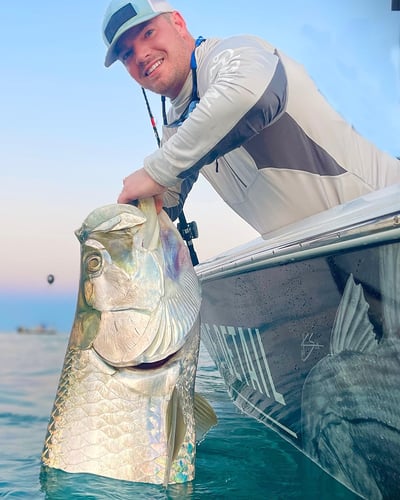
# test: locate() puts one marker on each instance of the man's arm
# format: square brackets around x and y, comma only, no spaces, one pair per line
[243,88]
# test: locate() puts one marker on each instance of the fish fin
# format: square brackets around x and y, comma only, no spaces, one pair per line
[204,417]
[352,330]
[176,431]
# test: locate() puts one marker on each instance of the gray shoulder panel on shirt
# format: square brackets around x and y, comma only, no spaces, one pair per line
[285,145]
[268,108]
[272,137]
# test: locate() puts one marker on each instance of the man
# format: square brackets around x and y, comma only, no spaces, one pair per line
[244,115]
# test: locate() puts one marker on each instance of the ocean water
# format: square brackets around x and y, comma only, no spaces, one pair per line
[239,459]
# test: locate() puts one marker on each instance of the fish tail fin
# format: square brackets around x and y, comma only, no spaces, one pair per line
[204,417]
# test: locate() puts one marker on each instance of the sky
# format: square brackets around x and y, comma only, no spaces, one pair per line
[71,129]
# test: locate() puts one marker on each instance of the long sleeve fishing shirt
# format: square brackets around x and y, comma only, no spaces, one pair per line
[265,138]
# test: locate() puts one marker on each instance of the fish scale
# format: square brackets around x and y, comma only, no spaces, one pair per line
[98,413]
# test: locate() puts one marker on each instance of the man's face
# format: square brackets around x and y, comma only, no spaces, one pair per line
[157,53]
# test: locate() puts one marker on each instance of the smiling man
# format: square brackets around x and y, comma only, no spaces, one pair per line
[244,115]
[157,63]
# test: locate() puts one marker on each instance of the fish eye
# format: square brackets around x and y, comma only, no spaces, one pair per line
[93,263]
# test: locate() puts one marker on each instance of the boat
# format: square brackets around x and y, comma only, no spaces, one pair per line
[304,327]
[41,329]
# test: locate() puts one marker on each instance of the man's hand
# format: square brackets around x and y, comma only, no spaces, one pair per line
[140,185]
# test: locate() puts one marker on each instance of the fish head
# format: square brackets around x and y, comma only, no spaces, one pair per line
[136,275]
[121,266]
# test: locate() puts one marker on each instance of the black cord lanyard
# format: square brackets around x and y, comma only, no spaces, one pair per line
[194,98]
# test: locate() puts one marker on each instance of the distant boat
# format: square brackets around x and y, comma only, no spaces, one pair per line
[41,329]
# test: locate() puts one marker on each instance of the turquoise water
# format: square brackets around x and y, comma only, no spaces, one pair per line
[239,459]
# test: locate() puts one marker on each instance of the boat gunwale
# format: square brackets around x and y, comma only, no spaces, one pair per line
[378,230]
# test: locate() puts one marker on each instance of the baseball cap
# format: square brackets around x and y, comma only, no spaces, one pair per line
[122,16]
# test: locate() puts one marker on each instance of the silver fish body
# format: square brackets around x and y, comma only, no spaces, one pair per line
[124,407]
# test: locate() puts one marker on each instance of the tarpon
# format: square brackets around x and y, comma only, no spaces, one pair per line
[351,398]
[125,404]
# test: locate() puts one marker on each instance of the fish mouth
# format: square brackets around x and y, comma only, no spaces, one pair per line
[154,365]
